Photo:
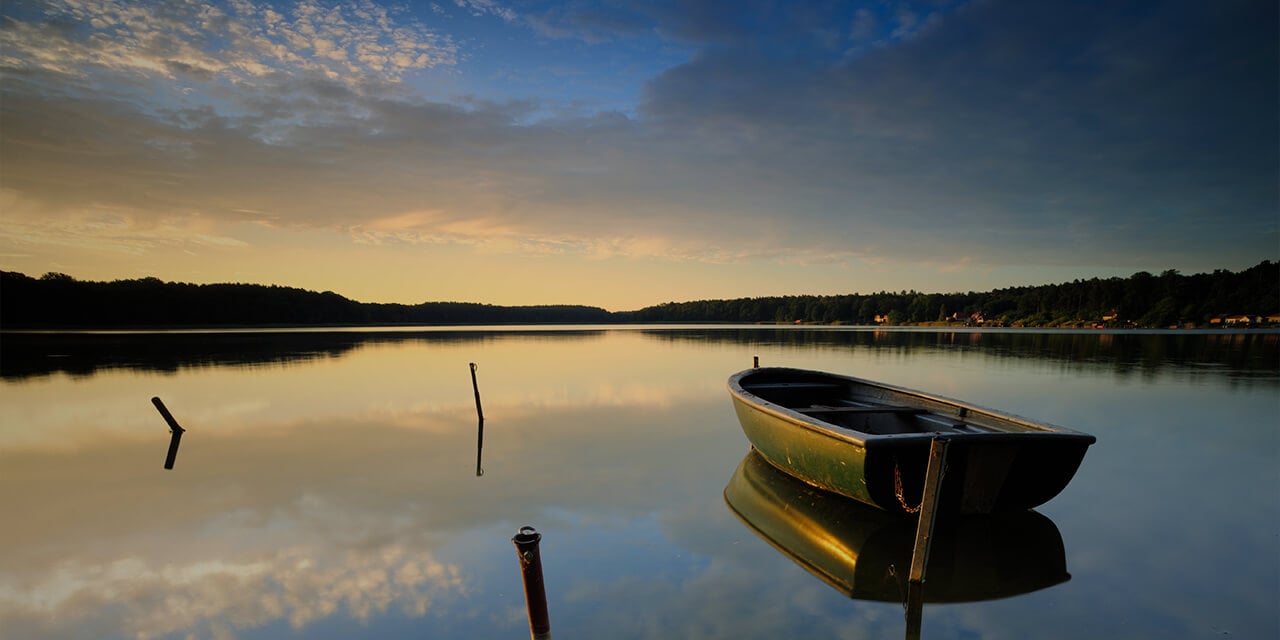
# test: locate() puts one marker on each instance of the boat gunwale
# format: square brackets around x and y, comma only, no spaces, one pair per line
[1034,430]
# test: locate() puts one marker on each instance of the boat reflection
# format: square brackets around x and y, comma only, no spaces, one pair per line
[865,553]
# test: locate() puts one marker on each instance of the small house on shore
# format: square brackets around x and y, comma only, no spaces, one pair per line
[1242,320]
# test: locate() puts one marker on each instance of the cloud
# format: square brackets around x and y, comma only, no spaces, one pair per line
[830,26]
[242,43]
[591,22]
[487,7]
[1007,125]
[108,228]
[994,131]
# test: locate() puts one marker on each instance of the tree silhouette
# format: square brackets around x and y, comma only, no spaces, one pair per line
[56,300]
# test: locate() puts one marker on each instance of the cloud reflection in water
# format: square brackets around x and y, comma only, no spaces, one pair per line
[337,495]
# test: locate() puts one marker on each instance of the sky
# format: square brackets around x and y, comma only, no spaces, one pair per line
[623,154]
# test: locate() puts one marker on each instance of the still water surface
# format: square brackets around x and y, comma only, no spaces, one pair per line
[327,486]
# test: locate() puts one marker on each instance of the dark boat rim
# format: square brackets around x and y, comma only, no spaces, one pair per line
[1034,430]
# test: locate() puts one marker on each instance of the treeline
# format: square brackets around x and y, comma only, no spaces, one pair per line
[1141,300]
[59,301]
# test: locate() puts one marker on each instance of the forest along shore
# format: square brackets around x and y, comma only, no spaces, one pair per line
[1243,299]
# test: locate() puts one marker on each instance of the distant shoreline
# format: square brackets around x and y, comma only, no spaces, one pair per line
[549,327]
[1249,298]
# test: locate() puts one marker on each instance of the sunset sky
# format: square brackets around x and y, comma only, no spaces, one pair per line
[626,153]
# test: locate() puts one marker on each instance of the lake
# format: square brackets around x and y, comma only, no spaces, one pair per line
[335,484]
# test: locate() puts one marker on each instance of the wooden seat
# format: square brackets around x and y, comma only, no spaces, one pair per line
[799,386]
[900,410]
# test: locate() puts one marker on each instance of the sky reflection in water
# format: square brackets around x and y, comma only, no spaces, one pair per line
[327,488]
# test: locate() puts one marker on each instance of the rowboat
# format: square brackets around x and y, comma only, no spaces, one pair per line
[864,552]
[870,441]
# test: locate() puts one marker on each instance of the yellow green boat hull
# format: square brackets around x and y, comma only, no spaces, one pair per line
[870,441]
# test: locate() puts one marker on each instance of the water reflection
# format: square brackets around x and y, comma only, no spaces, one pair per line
[865,553]
[260,529]
[28,354]
[175,432]
[341,495]
[479,447]
[335,495]
[1241,355]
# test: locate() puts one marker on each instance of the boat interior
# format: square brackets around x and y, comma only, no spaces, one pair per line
[834,404]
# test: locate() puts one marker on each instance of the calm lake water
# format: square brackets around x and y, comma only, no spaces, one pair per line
[327,486]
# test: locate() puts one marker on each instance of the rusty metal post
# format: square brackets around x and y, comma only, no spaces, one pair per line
[535,593]
[475,387]
[174,429]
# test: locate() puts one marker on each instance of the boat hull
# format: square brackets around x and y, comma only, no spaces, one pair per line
[875,450]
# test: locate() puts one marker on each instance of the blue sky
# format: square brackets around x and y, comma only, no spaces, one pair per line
[624,154]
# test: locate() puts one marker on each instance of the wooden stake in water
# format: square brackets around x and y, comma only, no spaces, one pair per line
[174,429]
[475,387]
[479,447]
[928,508]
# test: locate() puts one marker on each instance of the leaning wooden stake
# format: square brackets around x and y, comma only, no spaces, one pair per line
[928,508]
[475,387]
[174,429]
[535,592]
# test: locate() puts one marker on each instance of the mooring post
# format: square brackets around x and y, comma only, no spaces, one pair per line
[476,387]
[755,362]
[174,429]
[915,609]
[535,592]
[928,508]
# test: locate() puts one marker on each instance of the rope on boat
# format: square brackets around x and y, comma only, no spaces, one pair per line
[897,489]
[901,495]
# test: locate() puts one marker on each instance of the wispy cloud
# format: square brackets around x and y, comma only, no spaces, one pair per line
[488,7]
[241,42]
[109,229]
